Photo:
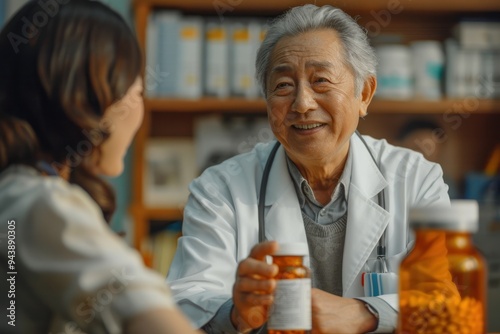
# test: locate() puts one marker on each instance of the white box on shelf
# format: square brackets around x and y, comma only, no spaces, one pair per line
[428,64]
[169,168]
[395,72]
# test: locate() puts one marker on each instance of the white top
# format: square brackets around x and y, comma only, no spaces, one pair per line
[292,249]
[462,215]
[71,269]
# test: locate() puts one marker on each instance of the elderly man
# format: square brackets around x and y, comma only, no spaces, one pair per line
[324,187]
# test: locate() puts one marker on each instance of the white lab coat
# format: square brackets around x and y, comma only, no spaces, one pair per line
[221,225]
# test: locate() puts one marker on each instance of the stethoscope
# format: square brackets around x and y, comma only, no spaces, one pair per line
[381,266]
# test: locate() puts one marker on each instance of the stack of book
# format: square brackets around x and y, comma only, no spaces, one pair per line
[191,56]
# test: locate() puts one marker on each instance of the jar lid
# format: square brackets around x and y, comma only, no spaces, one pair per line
[292,249]
[462,215]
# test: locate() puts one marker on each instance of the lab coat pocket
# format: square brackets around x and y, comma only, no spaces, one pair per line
[394,261]
[376,282]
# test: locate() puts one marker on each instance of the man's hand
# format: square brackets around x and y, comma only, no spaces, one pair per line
[254,287]
[333,314]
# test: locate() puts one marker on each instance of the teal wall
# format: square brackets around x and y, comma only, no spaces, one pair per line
[123,189]
[2,12]
[121,6]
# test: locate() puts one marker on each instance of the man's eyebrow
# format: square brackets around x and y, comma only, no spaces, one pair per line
[311,63]
[319,64]
[281,69]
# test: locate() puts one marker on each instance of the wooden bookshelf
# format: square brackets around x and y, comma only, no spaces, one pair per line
[418,19]
[237,105]
[261,6]
[258,106]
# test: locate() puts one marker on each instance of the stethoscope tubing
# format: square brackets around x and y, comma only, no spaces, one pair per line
[381,247]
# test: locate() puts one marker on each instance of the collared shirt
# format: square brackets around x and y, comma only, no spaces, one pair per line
[336,208]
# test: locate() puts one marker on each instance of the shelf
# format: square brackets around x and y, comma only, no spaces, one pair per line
[464,105]
[239,105]
[233,7]
[411,19]
[258,106]
[149,213]
[163,214]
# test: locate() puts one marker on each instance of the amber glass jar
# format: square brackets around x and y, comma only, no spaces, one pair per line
[291,311]
[442,281]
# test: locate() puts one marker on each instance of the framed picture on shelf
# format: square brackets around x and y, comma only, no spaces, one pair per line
[169,168]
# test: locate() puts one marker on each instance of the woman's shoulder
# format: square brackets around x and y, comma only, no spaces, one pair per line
[23,188]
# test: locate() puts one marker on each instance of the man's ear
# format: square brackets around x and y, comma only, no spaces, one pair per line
[369,87]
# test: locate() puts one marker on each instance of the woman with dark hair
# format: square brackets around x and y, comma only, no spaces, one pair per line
[70,104]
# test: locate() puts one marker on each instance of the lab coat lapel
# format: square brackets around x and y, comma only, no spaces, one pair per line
[366,219]
[283,216]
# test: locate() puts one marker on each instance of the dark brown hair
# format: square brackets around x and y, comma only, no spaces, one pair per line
[61,66]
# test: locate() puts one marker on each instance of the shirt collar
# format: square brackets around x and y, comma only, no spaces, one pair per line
[302,187]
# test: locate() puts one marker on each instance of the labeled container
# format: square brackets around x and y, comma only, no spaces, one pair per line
[291,310]
[395,72]
[442,281]
[428,65]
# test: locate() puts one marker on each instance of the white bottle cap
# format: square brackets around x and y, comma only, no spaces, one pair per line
[462,215]
[292,249]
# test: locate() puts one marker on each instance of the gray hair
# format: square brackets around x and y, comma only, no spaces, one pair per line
[358,54]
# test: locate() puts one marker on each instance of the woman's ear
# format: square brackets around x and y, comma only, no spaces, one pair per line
[369,87]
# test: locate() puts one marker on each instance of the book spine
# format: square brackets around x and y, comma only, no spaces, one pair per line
[241,77]
[152,75]
[216,60]
[190,58]
[168,51]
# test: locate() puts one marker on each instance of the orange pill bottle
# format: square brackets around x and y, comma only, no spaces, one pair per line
[291,310]
[442,281]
